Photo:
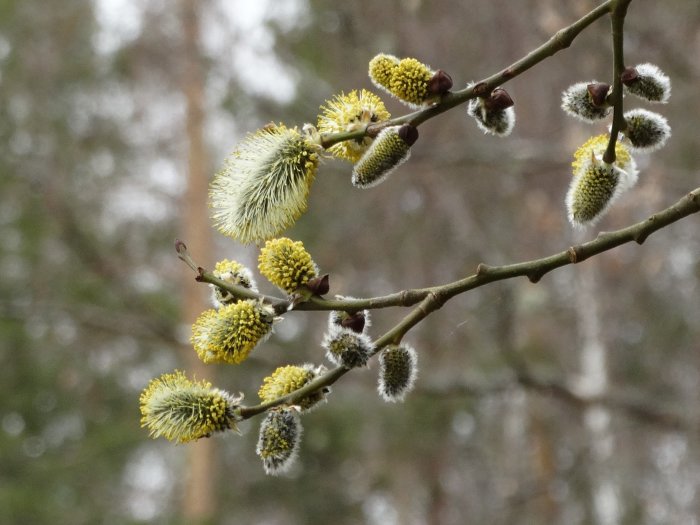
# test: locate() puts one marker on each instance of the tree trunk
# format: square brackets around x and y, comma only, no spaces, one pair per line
[199,498]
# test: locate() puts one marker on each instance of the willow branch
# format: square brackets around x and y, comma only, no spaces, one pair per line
[562,39]
[534,269]
[617,21]
[435,297]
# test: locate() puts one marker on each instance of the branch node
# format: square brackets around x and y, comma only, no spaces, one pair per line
[507,73]
[694,197]
[482,269]
[481,89]
[573,255]
[563,38]
[534,277]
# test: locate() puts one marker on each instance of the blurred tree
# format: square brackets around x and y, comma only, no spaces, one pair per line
[199,501]
[81,306]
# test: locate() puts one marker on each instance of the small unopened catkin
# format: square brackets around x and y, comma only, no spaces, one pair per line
[279,438]
[397,372]
[584,101]
[646,130]
[390,149]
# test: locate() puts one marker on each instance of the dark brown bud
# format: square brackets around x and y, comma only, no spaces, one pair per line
[629,76]
[499,100]
[319,285]
[440,83]
[480,89]
[409,134]
[355,322]
[180,246]
[599,94]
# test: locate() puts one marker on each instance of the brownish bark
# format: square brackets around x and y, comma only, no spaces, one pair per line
[199,498]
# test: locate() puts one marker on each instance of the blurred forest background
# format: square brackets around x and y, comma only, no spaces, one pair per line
[575,400]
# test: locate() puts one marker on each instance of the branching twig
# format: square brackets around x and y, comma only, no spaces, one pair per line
[430,299]
[561,40]
[617,21]
[534,270]
[433,298]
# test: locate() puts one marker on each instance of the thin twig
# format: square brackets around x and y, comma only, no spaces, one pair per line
[561,40]
[534,269]
[435,297]
[617,22]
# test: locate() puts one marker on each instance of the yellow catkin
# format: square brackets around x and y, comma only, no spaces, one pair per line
[597,146]
[263,188]
[181,410]
[290,378]
[286,264]
[351,112]
[387,152]
[381,68]
[229,334]
[409,81]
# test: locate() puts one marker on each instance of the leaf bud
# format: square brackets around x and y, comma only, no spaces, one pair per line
[358,321]
[319,285]
[440,83]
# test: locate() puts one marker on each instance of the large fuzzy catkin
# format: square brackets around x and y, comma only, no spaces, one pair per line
[263,188]
[409,82]
[407,79]
[181,410]
[381,69]
[229,334]
[596,184]
[390,149]
[592,192]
